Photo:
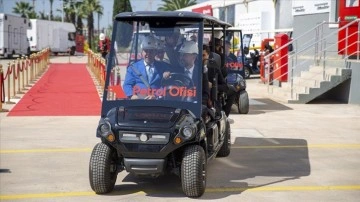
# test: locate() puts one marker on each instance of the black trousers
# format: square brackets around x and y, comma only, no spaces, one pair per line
[231,95]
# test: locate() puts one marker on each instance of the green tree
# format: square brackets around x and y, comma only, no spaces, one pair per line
[33,15]
[172,5]
[43,16]
[24,9]
[120,6]
[88,7]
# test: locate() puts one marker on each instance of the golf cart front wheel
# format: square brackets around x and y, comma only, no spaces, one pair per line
[102,169]
[193,171]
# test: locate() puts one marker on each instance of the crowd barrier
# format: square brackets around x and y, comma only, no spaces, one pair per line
[21,73]
[97,66]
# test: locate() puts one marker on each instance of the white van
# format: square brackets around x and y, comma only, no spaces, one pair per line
[13,40]
[58,36]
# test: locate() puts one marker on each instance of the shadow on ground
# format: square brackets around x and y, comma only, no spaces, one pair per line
[253,163]
[5,170]
[261,106]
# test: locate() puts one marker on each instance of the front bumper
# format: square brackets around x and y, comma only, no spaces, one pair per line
[144,166]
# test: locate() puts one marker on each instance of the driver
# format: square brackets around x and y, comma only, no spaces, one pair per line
[144,76]
[188,54]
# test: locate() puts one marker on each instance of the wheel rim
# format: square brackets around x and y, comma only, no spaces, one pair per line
[247,73]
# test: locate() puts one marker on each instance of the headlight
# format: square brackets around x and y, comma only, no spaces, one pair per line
[187,132]
[105,127]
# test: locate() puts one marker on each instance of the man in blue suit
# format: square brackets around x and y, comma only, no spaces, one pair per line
[143,78]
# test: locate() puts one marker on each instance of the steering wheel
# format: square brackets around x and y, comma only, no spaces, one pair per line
[177,80]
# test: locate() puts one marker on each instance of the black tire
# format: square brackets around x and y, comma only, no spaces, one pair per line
[72,50]
[226,147]
[193,171]
[102,169]
[247,72]
[28,52]
[243,106]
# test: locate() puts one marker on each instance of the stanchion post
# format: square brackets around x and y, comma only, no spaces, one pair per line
[23,73]
[14,80]
[27,71]
[32,62]
[69,56]
[18,71]
[2,93]
[9,84]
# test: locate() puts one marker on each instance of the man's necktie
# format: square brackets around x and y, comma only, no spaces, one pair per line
[150,72]
[187,72]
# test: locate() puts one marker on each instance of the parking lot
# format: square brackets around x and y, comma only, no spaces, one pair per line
[280,152]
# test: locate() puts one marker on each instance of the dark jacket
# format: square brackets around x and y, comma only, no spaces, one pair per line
[205,82]
[213,71]
[221,82]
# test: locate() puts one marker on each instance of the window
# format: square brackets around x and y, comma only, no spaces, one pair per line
[15,38]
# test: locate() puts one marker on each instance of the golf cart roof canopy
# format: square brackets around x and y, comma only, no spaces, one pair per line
[170,15]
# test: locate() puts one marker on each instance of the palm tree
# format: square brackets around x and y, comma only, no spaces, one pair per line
[24,9]
[69,11]
[88,7]
[43,16]
[79,23]
[74,14]
[172,5]
[33,15]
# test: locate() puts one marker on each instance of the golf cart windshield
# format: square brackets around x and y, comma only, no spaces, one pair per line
[148,63]
[232,43]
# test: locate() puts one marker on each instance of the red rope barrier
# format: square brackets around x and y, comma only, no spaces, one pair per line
[2,86]
[9,71]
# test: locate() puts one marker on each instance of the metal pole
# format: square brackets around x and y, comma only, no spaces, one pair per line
[358,41]
[62,10]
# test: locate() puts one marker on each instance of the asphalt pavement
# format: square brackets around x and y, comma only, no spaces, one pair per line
[280,152]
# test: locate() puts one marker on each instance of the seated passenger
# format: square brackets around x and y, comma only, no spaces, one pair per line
[171,41]
[145,75]
[161,52]
[222,85]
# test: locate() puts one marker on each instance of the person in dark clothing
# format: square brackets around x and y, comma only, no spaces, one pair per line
[268,48]
[221,82]
[229,56]
[188,54]
[104,45]
[256,57]
[171,52]
[219,50]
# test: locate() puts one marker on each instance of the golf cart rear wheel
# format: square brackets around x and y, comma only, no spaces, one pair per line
[243,105]
[102,169]
[247,72]
[193,171]
[225,148]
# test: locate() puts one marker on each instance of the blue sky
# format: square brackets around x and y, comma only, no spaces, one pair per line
[44,6]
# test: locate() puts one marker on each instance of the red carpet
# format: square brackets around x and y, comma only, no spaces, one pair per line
[64,90]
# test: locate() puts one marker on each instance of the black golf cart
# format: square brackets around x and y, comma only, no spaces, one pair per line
[235,65]
[237,72]
[165,128]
